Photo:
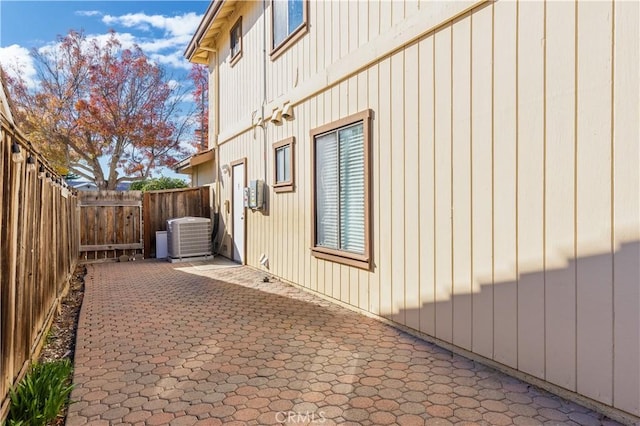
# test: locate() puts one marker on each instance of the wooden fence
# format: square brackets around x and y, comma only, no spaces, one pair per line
[158,206]
[111,225]
[115,223]
[38,253]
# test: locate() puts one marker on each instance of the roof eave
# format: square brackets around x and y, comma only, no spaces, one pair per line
[208,19]
[186,165]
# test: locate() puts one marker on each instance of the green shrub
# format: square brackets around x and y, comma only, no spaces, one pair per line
[38,398]
[158,184]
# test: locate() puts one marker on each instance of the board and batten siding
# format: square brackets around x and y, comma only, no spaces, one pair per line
[505,152]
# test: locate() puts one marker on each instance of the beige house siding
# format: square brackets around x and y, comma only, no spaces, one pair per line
[241,84]
[202,174]
[505,178]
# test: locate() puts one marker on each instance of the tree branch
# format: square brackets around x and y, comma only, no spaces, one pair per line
[84,166]
[129,179]
[81,173]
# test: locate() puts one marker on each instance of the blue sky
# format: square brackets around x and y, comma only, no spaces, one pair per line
[161,28]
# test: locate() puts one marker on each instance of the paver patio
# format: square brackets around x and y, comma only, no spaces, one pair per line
[183,344]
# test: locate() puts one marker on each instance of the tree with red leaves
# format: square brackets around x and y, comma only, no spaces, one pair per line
[200,79]
[101,111]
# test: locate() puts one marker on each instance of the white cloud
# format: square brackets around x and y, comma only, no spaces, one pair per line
[174,59]
[183,25]
[127,40]
[88,13]
[159,44]
[17,62]
[167,50]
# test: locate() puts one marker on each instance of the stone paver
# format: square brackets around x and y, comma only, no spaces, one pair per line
[184,344]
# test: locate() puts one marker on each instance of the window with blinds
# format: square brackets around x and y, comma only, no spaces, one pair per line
[340,191]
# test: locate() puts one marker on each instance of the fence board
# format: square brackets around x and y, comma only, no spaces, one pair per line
[103,247]
[158,206]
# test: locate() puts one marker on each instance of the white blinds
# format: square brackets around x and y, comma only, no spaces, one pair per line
[352,189]
[340,201]
[327,191]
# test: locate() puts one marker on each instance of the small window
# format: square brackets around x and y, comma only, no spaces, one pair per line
[236,41]
[289,22]
[283,167]
[341,185]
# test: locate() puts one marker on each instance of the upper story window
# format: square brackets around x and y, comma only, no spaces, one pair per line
[236,41]
[341,182]
[289,21]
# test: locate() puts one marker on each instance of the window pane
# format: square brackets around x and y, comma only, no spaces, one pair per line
[287,17]
[279,165]
[286,150]
[280,21]
[235,40]
[295,15]
[283,164]
[326,150]
[352,202]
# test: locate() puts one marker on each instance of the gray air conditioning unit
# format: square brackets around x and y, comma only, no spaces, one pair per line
[188,238]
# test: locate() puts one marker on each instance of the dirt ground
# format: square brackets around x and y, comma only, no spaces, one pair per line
[61,339]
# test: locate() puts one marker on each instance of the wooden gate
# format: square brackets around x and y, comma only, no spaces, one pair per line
[110,225]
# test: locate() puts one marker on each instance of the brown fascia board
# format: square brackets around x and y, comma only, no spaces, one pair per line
[207,20]
[182,165]
[202,157]
[194,160]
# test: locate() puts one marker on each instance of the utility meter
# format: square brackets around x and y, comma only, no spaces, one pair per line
[256,195]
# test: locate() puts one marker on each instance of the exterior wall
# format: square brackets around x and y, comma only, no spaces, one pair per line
[505,177]
[241,85]
[202,174]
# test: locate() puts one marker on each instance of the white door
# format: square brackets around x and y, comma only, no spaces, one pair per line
[238,177]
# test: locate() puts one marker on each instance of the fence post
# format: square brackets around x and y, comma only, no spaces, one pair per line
[13,267]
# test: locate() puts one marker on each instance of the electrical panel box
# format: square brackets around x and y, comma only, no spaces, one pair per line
[256,198]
